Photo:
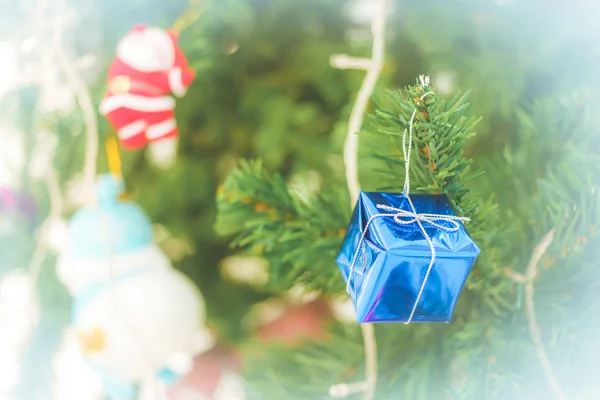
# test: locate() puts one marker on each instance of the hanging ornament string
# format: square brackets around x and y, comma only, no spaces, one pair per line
[114,158]
[408,217]
[188,17]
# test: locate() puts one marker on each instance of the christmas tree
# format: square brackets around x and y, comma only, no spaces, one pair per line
[295,107]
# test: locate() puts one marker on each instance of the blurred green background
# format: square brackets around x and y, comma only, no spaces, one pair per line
[265,89]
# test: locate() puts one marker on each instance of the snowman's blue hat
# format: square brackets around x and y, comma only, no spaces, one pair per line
[110,227]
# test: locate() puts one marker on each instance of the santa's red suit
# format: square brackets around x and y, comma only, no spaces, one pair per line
[150,66]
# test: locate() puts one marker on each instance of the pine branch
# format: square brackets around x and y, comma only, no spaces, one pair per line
[277,370]
[298,237]
[441,132]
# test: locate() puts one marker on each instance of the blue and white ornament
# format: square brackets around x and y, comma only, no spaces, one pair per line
[132,312]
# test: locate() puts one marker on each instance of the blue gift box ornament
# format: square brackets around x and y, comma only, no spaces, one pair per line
[387,269]
[405,257]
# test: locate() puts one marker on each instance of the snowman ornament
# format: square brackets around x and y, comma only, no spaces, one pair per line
[137,320]
[149,67]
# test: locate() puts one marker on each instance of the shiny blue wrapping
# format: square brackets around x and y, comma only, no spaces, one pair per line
[394,258]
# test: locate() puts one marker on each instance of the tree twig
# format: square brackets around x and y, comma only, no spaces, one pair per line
[48,172]
[89,115]
[84,98]
[373,67]
[534,328]
[342,61]
[368,333]
[362,99]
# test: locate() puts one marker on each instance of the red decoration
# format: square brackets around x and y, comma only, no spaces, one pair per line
[150,66]
[305,321]
[206,375]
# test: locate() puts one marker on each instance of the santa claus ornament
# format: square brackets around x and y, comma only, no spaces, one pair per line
[149,68]
[134,316]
